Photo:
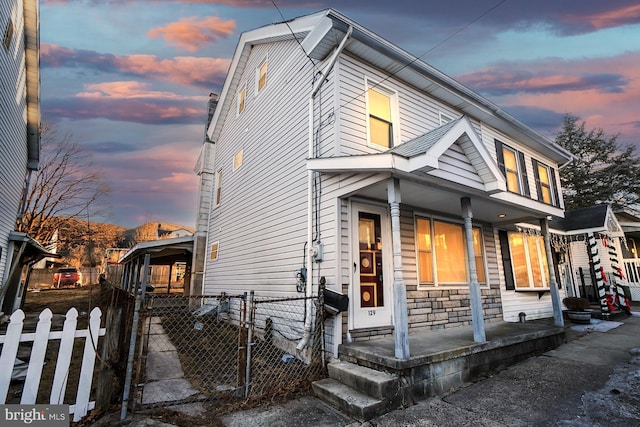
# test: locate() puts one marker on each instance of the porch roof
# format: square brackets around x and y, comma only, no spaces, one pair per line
[426,184]
[163,252]
[33,250]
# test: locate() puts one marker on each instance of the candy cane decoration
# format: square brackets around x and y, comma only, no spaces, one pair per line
[618,279]
[597,268]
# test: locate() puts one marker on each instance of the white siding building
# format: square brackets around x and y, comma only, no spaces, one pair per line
[340,154]
[20,118]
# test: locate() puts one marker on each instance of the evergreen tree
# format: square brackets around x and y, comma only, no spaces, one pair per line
[603,170]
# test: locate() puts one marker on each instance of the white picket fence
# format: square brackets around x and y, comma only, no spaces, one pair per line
[40,340]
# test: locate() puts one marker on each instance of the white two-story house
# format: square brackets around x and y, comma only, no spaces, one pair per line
[334,153]
[19,139]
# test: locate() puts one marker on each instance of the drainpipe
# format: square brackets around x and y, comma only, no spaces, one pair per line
[310,252]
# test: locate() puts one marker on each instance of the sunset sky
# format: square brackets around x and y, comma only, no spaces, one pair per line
[130,79]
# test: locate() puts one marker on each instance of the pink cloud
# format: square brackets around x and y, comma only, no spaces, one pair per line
[186,70]
[132,90]
[604,92]
[610,18]
[192,33]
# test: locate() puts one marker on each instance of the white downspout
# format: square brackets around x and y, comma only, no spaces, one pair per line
[310,252]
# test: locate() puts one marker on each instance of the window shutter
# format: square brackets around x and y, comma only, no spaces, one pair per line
[554,187]
[537,177]
[506,260]
[500,157]
[523,175]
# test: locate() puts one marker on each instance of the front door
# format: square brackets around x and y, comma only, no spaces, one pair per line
[372,272]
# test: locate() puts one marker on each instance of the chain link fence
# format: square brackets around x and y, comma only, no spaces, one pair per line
[225,351]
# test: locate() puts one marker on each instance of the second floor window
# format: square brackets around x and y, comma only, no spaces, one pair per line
[380,118]
[218,188]
[546,183]
[261,76]
[242,96]
[514,169]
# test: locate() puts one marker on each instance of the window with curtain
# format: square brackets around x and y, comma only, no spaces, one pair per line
[529,261]
[380,118]
[442,254]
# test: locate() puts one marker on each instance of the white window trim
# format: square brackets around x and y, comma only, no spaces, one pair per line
[217,244]
[257,90]
[436,283]
[541,251]
[395,117]
[444,118]
[238,97]
[217,189]
[238,160]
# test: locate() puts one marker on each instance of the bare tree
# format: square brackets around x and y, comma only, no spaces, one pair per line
[65,187]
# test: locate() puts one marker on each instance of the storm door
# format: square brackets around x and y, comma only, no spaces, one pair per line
[372,270]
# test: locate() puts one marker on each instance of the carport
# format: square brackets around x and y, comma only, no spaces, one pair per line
[166,252]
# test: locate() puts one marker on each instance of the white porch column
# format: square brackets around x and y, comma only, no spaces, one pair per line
[555,294]
[400,318]
[474,287]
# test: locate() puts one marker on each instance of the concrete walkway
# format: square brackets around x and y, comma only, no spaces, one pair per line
[594,379]
[164,380]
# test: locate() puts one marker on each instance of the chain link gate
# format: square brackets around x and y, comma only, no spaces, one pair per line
[224,351]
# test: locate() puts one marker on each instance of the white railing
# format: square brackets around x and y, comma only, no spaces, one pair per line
[632,276]
[40,339]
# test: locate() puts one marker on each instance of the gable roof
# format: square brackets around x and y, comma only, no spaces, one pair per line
[320,34]
[598,218]
[422,154]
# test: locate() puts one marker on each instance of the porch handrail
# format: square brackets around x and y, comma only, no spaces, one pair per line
[632,271]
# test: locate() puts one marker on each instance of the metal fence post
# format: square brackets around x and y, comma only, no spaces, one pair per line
[252,315]
[132,342]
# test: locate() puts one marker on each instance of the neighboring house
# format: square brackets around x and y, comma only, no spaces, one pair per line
[600,251]
[19,136]
[153,230]
[336,154]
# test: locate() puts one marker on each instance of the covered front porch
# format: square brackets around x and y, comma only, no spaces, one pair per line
[370,380]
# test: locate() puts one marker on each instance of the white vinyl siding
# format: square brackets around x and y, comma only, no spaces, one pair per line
[13,132]
[261,223]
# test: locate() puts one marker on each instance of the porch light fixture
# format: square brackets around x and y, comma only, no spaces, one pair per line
[501,215]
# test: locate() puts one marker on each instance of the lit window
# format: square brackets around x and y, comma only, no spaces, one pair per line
[442,252]
[261,76]
[546,183]
[529,261]
[380,118]
[242,95]
[214,251]
[513,168]
[237,160]
[218,186]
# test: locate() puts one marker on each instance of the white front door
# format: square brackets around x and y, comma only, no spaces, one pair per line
[372,268]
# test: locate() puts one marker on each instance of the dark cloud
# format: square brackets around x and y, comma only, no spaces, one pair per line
[129,110]
[112,147]
[506,79]
[545,121]
[186,70]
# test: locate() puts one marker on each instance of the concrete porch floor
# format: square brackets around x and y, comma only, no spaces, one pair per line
[439,345]
[369,380]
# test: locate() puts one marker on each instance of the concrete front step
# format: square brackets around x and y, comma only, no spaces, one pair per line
[349,400]
[375,383]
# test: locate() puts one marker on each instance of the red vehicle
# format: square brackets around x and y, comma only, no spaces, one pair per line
[67,276]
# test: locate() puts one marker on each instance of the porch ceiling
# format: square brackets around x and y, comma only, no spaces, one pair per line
[435,199]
